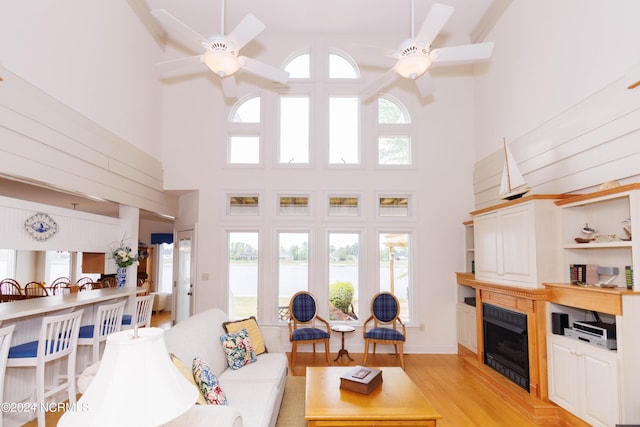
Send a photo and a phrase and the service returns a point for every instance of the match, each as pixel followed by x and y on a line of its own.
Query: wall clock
pixel 41 226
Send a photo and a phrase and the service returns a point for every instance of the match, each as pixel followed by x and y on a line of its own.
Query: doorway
pixel 184 253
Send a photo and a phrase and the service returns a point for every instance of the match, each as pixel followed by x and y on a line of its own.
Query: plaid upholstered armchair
pixel 302 318
pixel 385 309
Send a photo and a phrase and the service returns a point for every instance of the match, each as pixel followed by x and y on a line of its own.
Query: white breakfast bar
pixel 27 315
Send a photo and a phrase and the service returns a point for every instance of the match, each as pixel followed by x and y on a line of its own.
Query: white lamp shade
pixel 413 66
pixel 220 62
pixel 136 385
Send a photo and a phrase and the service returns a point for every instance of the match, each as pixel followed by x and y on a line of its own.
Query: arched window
pixel 243 146
pixel 299 67
pixel 340 67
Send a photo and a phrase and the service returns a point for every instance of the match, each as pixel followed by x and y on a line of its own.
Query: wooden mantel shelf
pixel 536 294
pixel 604 300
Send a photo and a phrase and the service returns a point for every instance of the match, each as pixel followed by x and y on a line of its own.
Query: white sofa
pixel 254 392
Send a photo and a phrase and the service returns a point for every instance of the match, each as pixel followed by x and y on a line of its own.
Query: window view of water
pixel 244 275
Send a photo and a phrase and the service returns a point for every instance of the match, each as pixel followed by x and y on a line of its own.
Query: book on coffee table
pixel 361 379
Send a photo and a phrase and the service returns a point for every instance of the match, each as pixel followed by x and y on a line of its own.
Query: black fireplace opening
pixel 506 344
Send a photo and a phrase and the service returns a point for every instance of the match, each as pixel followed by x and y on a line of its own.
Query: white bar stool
pixel 58 338
pixel 108 320
pixel 5 342
pixel 142 318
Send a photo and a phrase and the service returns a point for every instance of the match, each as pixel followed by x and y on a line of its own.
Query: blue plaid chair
pixel 303 313
pixel 385 309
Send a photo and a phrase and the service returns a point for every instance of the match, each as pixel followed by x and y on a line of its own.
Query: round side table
pixel 342 329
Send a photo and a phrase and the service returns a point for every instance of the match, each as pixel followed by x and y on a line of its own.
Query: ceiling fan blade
pixel 464 53
pixel 263 70
pixel 438 15
pixel 193 62
pixel 378 84
pixel 229 88
pixel 245 31
pixel 425 85
pixel 177 29
pixel 382 51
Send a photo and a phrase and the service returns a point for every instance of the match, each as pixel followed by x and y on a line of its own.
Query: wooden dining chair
pixel 10 290
pixel 146 287
pixel 385 315
pixel 83 281
pixel 303 311
pixel 35 290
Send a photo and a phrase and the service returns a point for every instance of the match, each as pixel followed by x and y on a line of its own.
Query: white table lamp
pixel 136 385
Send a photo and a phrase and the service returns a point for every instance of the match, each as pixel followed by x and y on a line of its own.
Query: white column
pixel 129 223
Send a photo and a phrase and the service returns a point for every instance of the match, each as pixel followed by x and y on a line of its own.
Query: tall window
pixel 57 264
pixel 394 144
pixel 294 129
pixel 243 274
pixel 344 273
pixel 7 263
pixel 164 281
pixel 293 268
pixel 343 130
pixel 395 251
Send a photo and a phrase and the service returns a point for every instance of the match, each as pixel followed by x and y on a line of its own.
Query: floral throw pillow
pixel 239 349
pixel 208 383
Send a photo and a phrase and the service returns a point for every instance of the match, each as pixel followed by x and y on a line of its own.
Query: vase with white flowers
pixel 124 256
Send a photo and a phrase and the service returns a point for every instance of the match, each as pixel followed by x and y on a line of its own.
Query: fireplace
pixel 506 343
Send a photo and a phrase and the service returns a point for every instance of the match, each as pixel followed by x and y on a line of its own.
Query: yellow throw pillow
pixel 188 374
pixel 251 325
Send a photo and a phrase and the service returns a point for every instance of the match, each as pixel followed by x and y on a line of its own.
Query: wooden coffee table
pixel 397 402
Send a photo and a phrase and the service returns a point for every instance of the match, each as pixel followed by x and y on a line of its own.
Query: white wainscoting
pixel 78 231
pixel 595 141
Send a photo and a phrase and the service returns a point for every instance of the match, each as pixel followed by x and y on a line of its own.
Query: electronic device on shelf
pixel 597 333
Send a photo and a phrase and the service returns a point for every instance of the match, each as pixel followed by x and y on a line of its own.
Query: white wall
pixel 548 56
pixel 92 55
pixel 555 88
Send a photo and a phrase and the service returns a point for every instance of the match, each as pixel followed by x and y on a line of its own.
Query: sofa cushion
pixel 251 325
pixel 256 401
pixel 208 383
pixel 270 367
pixel 188 374
pixel 238 348
pixel 196 336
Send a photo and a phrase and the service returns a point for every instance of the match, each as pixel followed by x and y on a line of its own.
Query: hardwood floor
pixel 455 390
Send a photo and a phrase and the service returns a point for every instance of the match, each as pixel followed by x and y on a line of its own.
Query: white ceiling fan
pixel 220 51
pixel 414 56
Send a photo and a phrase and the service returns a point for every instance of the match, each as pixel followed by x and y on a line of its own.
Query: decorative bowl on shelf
pixel 581 240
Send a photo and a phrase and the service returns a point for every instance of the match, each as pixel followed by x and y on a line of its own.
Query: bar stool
pixel 144 304
pixel 5 342
pixel 58 338
pixel 107 321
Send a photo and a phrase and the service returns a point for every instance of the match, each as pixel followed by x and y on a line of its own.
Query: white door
pixel 183 275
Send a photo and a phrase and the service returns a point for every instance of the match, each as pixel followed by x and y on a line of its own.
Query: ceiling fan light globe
pixel 413 66
pixel 222 63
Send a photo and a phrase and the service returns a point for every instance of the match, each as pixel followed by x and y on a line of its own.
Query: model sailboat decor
pixel 512 185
